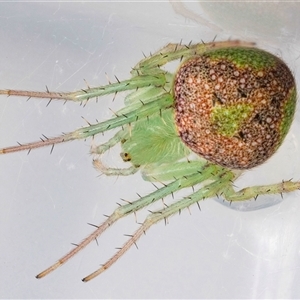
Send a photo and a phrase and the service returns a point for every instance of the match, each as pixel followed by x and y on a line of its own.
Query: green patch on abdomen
pixel 228 120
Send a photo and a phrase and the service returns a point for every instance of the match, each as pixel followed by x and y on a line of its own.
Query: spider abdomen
pixel 234 106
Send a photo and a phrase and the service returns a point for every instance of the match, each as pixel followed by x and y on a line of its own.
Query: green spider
pixel 226 109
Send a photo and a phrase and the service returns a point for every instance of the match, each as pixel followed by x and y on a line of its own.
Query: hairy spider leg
pixel 204 172
pixel 154 107
pixel 221 177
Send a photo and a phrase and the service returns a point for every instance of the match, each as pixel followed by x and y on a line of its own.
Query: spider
pixel 226 109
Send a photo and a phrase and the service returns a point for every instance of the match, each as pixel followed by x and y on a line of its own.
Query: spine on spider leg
pixel 86 94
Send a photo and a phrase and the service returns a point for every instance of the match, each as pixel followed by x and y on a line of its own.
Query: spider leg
pixel 252 192
pixel 117 138
pixel 99 150
pixel 223 177
pixel 89 93
pixel 124 210
pixel 163 173
pixel 144 111
pixel 99 165
pixel 173 52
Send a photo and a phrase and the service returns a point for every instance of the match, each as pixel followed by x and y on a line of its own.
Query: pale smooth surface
pixel 46 200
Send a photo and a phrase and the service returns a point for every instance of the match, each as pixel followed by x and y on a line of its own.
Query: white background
pixel 46 200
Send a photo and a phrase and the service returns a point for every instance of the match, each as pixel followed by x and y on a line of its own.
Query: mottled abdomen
pixel 234 106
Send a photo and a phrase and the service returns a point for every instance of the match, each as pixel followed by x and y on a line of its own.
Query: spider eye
pixel 234 106
pixel 125 156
